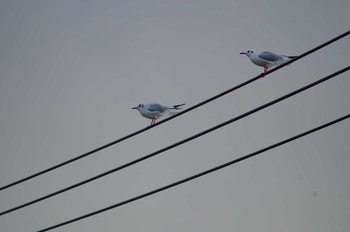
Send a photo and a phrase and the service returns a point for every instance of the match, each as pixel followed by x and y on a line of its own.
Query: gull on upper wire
pixel 266 59
pixel 154 111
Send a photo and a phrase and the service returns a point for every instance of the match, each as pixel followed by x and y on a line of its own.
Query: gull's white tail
pixel 173 110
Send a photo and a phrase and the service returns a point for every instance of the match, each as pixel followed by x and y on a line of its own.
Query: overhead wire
pixel 273 102
pixel 172 117
pixel 182 181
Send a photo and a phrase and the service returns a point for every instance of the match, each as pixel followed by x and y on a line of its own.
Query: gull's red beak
pixel 242 53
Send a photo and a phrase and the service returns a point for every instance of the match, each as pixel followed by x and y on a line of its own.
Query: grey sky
pixel 70 71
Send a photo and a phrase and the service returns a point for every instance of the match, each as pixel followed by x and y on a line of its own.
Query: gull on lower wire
pixel 266 59
pixel 154 110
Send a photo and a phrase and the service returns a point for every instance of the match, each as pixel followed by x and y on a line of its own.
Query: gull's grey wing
pixel 157 107
pixel 269 56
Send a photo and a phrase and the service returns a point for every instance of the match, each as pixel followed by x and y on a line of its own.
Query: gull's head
pixel 247 53
pixel 140 106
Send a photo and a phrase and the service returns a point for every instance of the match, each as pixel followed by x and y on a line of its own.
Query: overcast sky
pixel 70 72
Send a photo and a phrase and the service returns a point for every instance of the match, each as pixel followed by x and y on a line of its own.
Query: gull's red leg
pixel 265 70
pixel 153 121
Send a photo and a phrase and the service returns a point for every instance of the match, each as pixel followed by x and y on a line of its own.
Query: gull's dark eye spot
pixel 140 106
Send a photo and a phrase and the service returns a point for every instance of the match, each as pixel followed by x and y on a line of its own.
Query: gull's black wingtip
pixel 178 106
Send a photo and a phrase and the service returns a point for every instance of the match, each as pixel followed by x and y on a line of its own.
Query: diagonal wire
pixel 199 174
pixel 180 142
pixel 172 117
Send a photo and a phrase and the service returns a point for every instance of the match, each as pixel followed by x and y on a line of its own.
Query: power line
pixel 199 174
pixel 178 114
pixel 172 117
pixel 180 142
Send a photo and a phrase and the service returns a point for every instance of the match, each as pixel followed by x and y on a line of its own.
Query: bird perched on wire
pixel 154 110
pixel 266 59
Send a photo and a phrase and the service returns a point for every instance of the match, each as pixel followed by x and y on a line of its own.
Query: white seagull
pixel 266 59
pixel 154 110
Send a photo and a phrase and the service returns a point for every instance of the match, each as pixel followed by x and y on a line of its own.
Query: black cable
pixel 199 174
pixel 174 116
pixel 179 142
